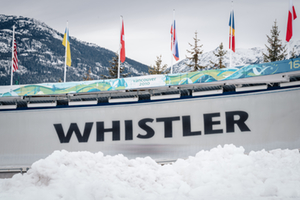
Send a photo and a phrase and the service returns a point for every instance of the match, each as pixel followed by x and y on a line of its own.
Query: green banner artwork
pixel 151 81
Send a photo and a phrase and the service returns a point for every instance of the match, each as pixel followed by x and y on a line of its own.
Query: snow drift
pixel 221 173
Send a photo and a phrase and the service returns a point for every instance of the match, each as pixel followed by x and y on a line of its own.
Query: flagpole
pixel 230 59
pixel 230 45
pixel 231 35
pixel 12 56
pixel 288 43
pixel 120 46
pixel 172 40
pixel 288 50
pixel 66 49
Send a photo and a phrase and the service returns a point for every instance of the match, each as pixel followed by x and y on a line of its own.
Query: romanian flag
pixel 291 17
pixel 231 32
pixel 66 43
pixel 174 42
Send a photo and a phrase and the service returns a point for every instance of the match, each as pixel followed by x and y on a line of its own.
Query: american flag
pixel 15 57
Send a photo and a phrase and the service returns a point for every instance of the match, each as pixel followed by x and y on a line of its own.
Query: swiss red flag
pixel 291 17
pixel 122 42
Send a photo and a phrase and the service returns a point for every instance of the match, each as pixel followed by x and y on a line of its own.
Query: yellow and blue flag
pixel 66 43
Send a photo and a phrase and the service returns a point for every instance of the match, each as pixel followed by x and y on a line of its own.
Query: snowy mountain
pixel 41 54
pixel 239 58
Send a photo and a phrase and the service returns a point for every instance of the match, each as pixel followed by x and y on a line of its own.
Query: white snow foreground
pixel 221 173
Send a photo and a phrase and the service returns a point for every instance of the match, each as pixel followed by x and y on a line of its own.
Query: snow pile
pixel 221 173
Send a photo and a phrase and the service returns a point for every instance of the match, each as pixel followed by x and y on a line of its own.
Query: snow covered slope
pixel 240 57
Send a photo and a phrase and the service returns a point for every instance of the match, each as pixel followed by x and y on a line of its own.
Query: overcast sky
pixel 147 23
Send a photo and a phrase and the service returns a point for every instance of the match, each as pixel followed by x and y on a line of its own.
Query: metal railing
pixel 13 171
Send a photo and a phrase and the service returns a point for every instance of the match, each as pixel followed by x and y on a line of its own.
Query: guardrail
pixel 9 172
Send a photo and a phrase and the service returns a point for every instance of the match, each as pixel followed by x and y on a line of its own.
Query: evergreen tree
pixel 293 54
pixel 276 51
pixel 113 70
pixel 17 82
pixel 87 76
pixel 195 53
pixel 158 68
pixel 220 55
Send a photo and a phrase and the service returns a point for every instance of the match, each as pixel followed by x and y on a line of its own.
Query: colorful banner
pixel 152 80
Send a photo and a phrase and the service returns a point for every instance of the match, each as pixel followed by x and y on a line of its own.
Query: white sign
pixel 160 129
pixel 146 81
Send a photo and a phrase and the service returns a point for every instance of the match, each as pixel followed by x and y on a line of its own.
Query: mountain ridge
pixel 41 54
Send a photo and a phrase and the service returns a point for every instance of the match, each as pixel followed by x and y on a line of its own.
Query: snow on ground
pixel 225 173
